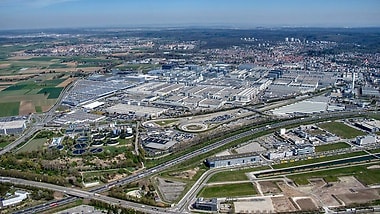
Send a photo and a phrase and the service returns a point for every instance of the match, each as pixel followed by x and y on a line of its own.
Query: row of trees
pixel 113 209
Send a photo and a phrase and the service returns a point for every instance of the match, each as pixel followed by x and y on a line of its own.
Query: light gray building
pixel 304 149
pixel 365 140
pixel 233 160
pixel 206 204
pixel 12 127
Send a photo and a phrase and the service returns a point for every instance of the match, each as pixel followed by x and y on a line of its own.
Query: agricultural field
pixel 30 84
pixel 29 97
pixel 228 190
pixel 333 146
pixel 340 129
pixel 19 64
pixel 9 109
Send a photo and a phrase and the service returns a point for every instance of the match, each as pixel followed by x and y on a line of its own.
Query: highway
pixel 150 209
pixel 77 193
pixel 39 125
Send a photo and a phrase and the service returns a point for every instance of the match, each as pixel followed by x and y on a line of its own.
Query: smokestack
pixel 353 83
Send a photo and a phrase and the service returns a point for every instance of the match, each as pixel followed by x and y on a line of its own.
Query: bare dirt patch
pixel 188 174
pixel 5 65
pixel 26 107
pixel 306 204
pixel 374 167
pixel 19 57
pixel 66 82
pixel 16 77
pixel 8 83
pixel 70 64
pixel 90 69
pixel 338 193
pixel 318 182
pixel 58 195
pixel 283 204
pixel 46 108
pixel 289 190
pixel 359 196
pixel 269 187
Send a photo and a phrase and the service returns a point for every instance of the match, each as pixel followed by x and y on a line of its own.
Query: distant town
pixel 190 120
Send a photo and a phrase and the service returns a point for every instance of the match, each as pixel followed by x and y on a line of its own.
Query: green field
pixel 33 145
pixel 333 146
pixel 42 59
pixel 317 160
pixel 53 92
pixel 52 83
pixel 341 130
pixel 228 190
pixel 364 175
pixel 9 109
pixel 38 109
pixel 375 150
pixel 4 144
pixel 42 94
pixel 235 175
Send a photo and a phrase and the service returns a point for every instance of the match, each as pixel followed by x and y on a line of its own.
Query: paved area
pixel 257 205
pixel 170 190
pixel 251 147
pixel 82 209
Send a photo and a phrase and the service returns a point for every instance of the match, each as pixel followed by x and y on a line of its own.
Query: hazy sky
pixel 24 14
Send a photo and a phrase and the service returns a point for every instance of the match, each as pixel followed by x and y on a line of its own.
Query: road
pixel 81 194
pixel 39 125
pixel 190 196
pixel 199 152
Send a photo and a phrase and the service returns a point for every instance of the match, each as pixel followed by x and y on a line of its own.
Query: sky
pixel 40 14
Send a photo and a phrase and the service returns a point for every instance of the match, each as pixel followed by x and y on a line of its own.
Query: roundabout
pixel 194 127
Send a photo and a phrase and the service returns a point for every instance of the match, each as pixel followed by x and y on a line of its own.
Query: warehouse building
pixel 233 160
pixel 207 205
pixel 365 140
pixel 304 149
pixel 12 127
pixel 18 197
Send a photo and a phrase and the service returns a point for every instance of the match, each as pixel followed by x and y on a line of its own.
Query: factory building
pixel 275 74
pixel 305 149
pixel 365 140
pixel 12 127
pixel 18 197
pixel 371 126
pixel 279 154
pixel 207 205
pixel 233 160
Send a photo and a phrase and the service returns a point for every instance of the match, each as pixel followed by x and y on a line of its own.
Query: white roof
pixel 93 105
pixel 12 124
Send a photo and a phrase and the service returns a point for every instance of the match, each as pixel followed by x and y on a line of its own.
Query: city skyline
pixel 35 14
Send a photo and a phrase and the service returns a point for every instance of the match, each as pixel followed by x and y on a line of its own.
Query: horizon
pixel 187 27
pixel 246 14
